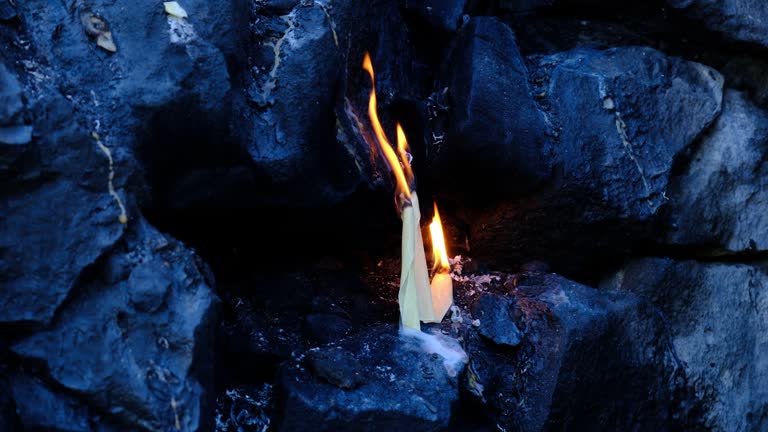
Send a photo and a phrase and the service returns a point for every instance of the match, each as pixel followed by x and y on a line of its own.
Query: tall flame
pixel 400 167
pixel 439 251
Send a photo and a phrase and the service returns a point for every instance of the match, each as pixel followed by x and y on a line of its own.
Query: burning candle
pixel 442 285
pixel 416 296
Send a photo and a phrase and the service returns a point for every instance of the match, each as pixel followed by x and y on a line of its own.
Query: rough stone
pixel 402 387
pixel 498 323
pixel 721 198
pixel 718 317
pixel 623 116
pixel 10 95
pixel 324 328
pixel 740 20
pixel 336 366
pixel 133 361
pixel 440 14
pixel 588 359
pixel 495 133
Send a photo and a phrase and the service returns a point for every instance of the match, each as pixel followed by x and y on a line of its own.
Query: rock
pixel 244 408
pixel 7 10
pixel 133 361
pixel 740 20
pixel 401 387
pixel 304 84
pixel 10 94
pixel 718 316
pixel 336 366
pixel 623 116
pixel 524 5
pixel 58 219
pixel 9 419
pixel 746 74
pixel 615 111
pixel 498 323
pixel 324 328
pixel 720 199
pixel 550 380
pixel 15 135
pixel 442 15
pixel 493 127
pixel 40 408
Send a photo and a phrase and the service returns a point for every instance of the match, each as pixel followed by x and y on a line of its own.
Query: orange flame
pixel 400 167
pixel 439 252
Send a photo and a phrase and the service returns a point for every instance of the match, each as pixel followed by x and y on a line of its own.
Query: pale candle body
pixel 442 293
pixel 415 296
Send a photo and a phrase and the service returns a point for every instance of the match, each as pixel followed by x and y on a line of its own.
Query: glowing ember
pixel 400 168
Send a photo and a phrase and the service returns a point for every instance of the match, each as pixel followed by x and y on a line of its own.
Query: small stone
pixel 337 366
pixel 16 135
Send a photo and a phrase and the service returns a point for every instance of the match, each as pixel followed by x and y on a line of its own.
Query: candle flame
pixel 401 168
pixel 439 252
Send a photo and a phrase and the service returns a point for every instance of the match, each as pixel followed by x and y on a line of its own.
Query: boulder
pixel 494 132
pixel 720 199
pixel 622 117
pixel 56 219
pixel 586 360
pixel 717 314
pixel 133 338
pixel 381 382
pixel 442 15
pixel 739 20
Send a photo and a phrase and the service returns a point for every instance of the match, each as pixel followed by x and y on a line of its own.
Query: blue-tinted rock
pixel 740 20
pixel 720 199
pixel 133 361
pixel 495 133
pixel 397 386
pixel 444 15
pixel 717 314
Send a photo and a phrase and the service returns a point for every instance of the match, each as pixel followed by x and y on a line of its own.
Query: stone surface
pixel 587 360
pixel 497 319
pixel 494 133
pixel 129 334
pixel 718 317
pixel 721 198
pixel 440 14
pixel 622 117
pixel 740 20
pixel 402 387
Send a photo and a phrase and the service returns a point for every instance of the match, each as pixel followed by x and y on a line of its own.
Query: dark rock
pixel 720 200
pixel 747 75
pixel 15 135
pixel 336 366
pixel 552 379
pixel 40 408
pixel 440 14
pixel 325 328
pixel 304 84
pixel 623 116
pixel 718 317
pixel 244 409
pixel 524 5
pixel 495 133
pixel 134 361
pixel 9 419
pixel 740 20
pixel 497 322
pixel 401 387
pixel 10 94
pixel 52 229
pixel 7 10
